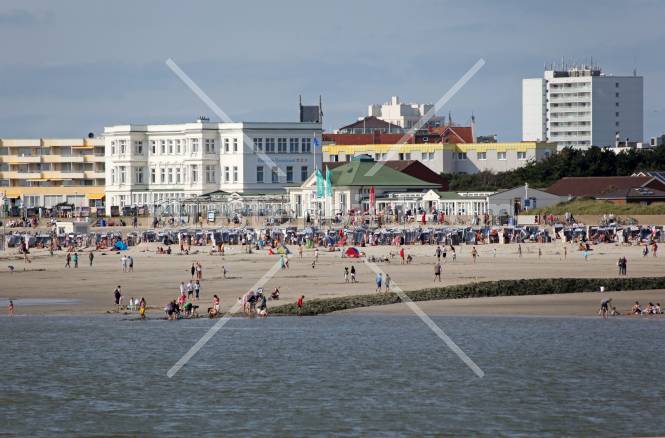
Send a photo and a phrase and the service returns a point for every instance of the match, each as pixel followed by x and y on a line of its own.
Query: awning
pixel 95 196
pixel 12 196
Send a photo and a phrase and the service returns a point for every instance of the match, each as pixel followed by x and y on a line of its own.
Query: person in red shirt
pixel 401 254
pixel 299 304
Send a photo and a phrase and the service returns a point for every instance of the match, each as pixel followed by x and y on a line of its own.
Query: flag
pixel 315 142
pixel 329 191
pixel 319 184
pixel 372 198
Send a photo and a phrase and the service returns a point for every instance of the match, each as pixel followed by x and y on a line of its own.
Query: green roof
pixel 355 173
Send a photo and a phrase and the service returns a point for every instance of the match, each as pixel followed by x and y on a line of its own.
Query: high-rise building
pixel 46 172
pixel 580 107
pixel 149 165
pixel 405 115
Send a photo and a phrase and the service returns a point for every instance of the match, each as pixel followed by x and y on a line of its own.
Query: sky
pixel 73 67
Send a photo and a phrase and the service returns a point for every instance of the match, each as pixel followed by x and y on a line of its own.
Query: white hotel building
pixel 581 107
pixel 148 165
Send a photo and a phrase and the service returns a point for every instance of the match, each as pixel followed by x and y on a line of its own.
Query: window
pixel 170 174
pixel 258 144
pixel 153 147
pixel 226 174
pixel 210 174
pixel 210 146
pixel 547 154
pixel 616 85
pixel 431 155
pixel 303 173
pixel 423 156
pixel 235 145
pixel 281 145
pixel 113 175
pixel 162 175
pixel 259 174
pixel 616 95
pixel 616 104
pixel 306 145
pixel 501 155
pixel 289 174
pixel 270 145
pixel 521 155
pixel 170 146
pixel 226 145
pixel 617 114
pixel 177 175
pixel 153 175
pixel 177 146
pixel 275 176
pixel 162 146
pixel 461 155
pixel 195 145
pixel 138 175
pixel 195 173
pixel 138 147
pixel 235 174
pixel 293 145
pixel 616 123
pixel 481 155
pixel 122 146
pixel 123 176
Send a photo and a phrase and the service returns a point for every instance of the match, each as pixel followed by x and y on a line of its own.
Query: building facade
pixel 46 172
pixel 448 158
pixel 581 107
pixel 150 165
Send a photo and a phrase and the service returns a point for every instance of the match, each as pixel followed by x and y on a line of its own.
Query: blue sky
pixel 72 67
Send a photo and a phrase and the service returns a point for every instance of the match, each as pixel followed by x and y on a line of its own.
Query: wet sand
pixel 157 277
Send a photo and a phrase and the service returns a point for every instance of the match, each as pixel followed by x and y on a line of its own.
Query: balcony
pixel 62 159
pixel 92 174
pixel 21 159
pixel 20 175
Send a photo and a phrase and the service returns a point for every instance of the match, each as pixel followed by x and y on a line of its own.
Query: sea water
pixel 345 375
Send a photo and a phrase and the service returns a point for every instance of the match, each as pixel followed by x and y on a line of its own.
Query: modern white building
pixel 405 115
pixel 581 107
pixel 149 165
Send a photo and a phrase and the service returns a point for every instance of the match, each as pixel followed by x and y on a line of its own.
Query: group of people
pixel 623 265
pixel 650 309
pixel 133 305
pixel 127 263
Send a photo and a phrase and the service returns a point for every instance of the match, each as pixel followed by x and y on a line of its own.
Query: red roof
pixel 374 138
pixel 454 134
pixel 593 186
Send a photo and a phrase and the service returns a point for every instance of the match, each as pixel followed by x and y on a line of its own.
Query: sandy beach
pixel 157 277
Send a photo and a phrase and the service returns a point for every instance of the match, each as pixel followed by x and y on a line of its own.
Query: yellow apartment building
pixel 44 172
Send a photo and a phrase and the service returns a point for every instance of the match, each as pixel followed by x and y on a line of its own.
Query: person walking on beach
pixel 654 249
pixel 452 249
pixel 197 289
pixel 565 252
pixel 437 272
pixel 353 274
pixel 300 250
pixel 91 257
pixel 316 254
pixel 199 271
pixel 299 303
pixel 117 295
pixel 75 259
pixel 540 253
pixel 142 306
pixel 224 271
pixel 10 308
pixel 190 289
pixel 474 254
pixel 401 256
pixel 519 250
pixel 130 261
pixel 437 253
pixel 193 270
pixel 346 274
pixel 388 279
pixel 68 260
pixel 379 280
